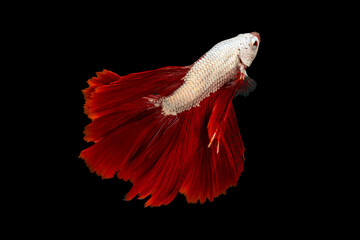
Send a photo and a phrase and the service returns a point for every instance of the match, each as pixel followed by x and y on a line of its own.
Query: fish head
pixel 248 46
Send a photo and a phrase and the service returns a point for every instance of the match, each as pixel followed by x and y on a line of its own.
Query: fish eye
pixel 254 43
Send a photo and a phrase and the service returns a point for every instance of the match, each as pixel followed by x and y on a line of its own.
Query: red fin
pixel 161 155
pixel 245 86
pixel 109 90
pixel 179 160
pixel 219 113
pixel 213 170
pixel 120 113
pixel 101 79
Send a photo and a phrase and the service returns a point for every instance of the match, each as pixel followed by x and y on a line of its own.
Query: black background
pixel 127 39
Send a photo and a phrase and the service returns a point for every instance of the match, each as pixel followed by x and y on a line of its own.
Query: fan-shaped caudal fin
pixel 161 154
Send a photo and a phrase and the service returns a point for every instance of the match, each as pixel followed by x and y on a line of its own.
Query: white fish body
pixel 217 67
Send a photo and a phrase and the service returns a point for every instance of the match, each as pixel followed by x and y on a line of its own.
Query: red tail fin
pixel 120 114
pixel 161 155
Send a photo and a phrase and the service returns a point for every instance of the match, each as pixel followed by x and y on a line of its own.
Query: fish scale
pixel 216 68
pixel 198 153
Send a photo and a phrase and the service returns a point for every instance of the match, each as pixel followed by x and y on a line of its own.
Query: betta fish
pixel 172 130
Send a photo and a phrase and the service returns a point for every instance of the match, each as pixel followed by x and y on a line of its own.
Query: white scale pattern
pixel 216 68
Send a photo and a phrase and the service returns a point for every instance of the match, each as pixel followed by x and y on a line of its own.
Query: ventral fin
pixel 247 85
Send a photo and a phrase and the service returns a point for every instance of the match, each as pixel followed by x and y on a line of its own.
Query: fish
pixel 172 130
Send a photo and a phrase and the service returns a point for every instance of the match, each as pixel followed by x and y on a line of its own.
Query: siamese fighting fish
pixel 172 130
